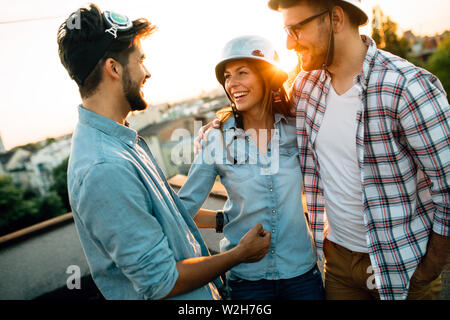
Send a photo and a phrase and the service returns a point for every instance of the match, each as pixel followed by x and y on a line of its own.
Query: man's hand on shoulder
pixel 203 134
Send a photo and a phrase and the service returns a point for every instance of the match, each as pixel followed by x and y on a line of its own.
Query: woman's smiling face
pixel 243 85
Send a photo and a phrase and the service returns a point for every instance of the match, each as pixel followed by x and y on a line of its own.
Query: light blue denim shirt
pixel 132 225
pixel 262 189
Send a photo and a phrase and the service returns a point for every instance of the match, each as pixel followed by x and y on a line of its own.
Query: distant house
pixel 171 140
pixel 42 162
pixel 423 47
pixel 158 136
pixel 14 164
pixel 30 166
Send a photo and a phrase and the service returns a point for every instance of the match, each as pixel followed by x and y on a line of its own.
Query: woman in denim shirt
pixel 255 154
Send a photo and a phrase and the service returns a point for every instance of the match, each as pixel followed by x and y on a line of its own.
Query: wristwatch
pixel 220 220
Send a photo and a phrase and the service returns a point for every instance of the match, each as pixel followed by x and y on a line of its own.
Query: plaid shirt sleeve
pixel 308 87
pixel 424 118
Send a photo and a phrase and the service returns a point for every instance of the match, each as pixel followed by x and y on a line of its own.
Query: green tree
pixel 59 186
pixel 439 64
pixel 21 208
pixel 387 39
pixel 15 211
pixel 50 206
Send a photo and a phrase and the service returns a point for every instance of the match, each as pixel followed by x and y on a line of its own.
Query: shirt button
pixel 273 251
pixel 273 230
pixel 274 211
pixel 271 190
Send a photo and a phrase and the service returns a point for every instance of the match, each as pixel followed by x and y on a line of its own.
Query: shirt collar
pixel 369 61
pixel 279 117
pixel 231 122
pixel 108 126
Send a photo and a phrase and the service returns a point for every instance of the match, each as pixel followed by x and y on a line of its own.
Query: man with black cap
pixel 139 241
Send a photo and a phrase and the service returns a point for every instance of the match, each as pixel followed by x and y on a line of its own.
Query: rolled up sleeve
pixel 116 210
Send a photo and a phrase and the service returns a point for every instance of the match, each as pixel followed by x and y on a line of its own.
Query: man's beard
pixel 317 59
pixel 132 92
pixel 318 53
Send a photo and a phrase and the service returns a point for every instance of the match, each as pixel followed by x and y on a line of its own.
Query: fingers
pixel 197 145
pixel 216 123
pixel 203 136
pixel 255 244
pixel 258 228
pixel 261 254
pixel 198 140
pixel 261 231
pixel 266 234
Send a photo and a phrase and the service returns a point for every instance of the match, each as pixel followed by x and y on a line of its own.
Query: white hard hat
pixel 357 5
pixel 249 47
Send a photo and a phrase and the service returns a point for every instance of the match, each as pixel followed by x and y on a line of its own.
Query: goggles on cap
pixel 86 57
pixel 116 22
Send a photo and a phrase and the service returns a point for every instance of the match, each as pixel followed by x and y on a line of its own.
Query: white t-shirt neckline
pixel 339 170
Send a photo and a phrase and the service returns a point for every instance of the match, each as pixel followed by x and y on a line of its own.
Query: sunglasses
pixel 293 29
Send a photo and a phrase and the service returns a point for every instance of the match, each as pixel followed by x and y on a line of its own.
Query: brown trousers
pixel 349 276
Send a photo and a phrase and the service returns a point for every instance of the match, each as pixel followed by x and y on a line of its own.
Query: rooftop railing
pixel 39 262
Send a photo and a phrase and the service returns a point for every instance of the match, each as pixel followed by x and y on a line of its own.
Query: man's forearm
pixel 196 272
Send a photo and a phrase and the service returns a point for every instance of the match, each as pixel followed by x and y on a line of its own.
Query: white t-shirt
pixel 339 171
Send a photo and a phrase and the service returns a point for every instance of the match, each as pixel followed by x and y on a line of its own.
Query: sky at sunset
pixel 38 100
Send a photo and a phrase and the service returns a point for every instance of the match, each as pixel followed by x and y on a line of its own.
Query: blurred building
pixel 2 147
pixel 13 163
pixel 30 166
pixel 423 47
pixel 171 139
pixel 42 162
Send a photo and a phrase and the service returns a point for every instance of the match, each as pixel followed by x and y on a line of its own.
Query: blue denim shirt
pixel 132 225
pixel 262 189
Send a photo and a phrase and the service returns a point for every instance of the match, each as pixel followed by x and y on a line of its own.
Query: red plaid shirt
pixel 402 144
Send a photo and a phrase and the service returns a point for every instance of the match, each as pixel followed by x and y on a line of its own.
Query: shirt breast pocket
pixel 289 158
pixel 237 173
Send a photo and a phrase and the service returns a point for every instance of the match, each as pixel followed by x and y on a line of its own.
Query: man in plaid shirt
pixel 373 136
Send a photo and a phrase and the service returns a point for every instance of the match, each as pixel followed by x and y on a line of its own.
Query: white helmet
pixel 249 47
pixel 357 5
